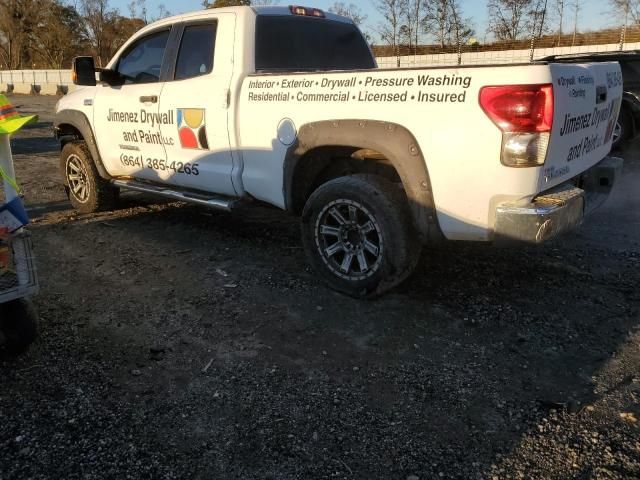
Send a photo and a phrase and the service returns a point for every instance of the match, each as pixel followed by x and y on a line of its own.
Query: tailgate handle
pixel 601 94
pixel 149 99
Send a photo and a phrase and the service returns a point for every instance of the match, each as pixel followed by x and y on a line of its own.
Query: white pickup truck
pixel 286 105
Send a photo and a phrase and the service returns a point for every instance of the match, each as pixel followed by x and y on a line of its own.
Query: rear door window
pixel 196 53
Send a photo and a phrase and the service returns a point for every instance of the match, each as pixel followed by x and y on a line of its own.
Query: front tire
pixel 87 191
pixel 358 234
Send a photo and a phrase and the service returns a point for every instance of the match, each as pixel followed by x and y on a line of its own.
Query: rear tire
pixel 88 192
pixel 18 324
pixel 358 235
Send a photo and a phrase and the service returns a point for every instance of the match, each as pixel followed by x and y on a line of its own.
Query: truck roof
pixel 240 11
pixel 282 10
pixel 594 56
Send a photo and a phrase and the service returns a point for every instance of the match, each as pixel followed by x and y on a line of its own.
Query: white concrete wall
pixel 47 81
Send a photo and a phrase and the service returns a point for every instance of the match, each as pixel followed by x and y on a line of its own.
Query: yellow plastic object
pixel 10 120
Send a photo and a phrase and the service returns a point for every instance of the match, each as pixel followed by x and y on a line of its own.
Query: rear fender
pixel 393 141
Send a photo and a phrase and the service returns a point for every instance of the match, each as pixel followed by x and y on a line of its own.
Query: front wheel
pixel 88 192
pixel 357 233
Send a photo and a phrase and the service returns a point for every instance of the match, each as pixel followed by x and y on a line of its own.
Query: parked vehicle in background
pixel 285 105
pixel 628 124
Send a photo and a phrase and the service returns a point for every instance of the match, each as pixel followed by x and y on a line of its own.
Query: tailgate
pixel 587 100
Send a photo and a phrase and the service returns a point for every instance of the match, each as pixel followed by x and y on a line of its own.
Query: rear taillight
pixel 524 114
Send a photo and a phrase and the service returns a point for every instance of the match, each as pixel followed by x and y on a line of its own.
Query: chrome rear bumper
pixel 559 211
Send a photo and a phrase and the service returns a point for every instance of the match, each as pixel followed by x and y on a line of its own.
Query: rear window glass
pixel 301 44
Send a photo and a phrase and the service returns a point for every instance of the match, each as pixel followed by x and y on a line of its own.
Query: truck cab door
pixel 126 116
pixel 197 94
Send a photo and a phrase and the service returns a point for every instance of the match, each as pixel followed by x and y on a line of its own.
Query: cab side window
pixel 142 61
pixel 197 48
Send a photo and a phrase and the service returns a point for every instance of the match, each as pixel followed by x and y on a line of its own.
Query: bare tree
pixel 353 12
pixel 162 11
pixel 138 9
pixel 444 20
pixel 97 15
pixel 537 18
pixel 392 13
pixel 438 20
pixel 417 7
pixel 626 9
pixel 411 20
pixel 350 11
pixel 508 19
pixel 460 27
pixel 559 8
pixel 576 11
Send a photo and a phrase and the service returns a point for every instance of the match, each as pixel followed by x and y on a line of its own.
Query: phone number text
pixel 160 165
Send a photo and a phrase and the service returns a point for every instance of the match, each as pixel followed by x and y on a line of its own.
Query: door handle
pixel 149 99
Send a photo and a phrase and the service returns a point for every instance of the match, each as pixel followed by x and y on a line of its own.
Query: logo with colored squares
pixel 192 128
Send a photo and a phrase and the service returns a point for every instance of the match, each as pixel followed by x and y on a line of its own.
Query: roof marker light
pixel 306 12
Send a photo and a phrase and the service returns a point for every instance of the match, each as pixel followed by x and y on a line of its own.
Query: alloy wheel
pixel 349 240
pixel 77 178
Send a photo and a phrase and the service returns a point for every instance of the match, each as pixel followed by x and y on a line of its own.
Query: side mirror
pixel 84 71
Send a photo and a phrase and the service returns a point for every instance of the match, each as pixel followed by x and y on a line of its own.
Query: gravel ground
pixel 177 342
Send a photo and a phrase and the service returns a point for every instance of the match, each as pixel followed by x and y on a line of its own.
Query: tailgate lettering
pixel 576 123
pixel 614 79
pixel 587 145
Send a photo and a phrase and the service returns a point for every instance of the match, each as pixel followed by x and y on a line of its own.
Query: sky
pixel 593 13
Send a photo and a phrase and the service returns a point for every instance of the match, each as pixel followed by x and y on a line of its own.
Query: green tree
pixel 19 19
pixel 107 29
pixel 60 36
pixel 97 16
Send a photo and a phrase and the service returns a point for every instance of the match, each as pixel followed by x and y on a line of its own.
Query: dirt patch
pixel 178 342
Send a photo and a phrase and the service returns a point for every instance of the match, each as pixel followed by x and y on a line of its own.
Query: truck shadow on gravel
pixel 34 145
